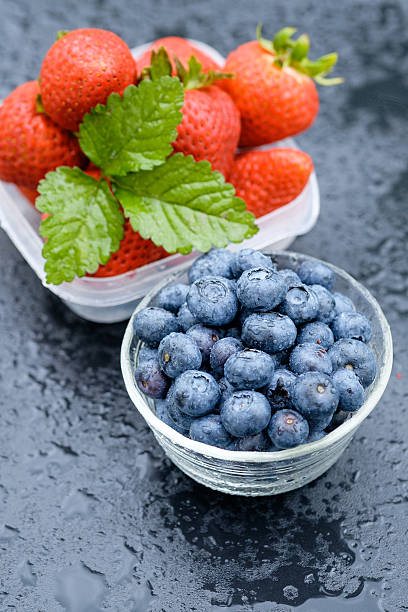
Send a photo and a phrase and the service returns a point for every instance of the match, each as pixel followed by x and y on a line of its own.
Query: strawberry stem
pixel 191 78
pixel 294 53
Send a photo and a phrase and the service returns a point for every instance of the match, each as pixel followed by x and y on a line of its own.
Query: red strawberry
pixel 273 86
pixel 80 70
pixel 30 143
pixel 134 252
pixel 210 128
pixel 211 123
pixel 180 47
pixel 267 180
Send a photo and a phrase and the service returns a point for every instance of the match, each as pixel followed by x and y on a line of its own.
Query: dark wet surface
pixel 92 515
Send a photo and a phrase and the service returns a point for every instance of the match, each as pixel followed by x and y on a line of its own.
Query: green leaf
pixel 134 132
pixel 183 205
pixel 85 227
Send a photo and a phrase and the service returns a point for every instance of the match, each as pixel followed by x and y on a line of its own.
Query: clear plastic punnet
pixel 108 300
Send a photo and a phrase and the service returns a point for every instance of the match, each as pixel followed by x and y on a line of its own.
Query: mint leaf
pixel 134 132
pixel 183 205
pixel 85 227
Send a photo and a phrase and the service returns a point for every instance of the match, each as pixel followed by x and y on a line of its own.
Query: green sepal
pixel 191 78
pixel 39 105
pixel 160 65
pixel 61 34
pixel 293 53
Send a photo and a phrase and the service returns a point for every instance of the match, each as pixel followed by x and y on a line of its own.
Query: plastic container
pixel 265 473
pixel 108 300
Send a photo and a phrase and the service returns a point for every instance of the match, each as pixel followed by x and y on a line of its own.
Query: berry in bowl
pixel 254 370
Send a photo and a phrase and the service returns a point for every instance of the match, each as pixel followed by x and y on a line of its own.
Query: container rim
pixel 373 396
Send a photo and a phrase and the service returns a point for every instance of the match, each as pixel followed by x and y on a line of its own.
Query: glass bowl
pixel 264 473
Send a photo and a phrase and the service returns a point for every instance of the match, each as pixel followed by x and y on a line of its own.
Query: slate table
pixel 92 515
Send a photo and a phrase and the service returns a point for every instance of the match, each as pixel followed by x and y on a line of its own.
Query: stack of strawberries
pixel 264 93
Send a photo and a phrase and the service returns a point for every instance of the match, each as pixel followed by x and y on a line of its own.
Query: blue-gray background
pixel 92 516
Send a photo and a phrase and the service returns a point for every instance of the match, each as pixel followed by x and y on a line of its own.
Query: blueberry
pixel 350 389
pixel 245 413
pixel 290 276
pixel 152 324
pixel 249 369
pixel 217 262
pixel 316 398
pixel 195 393
pixel 180 419
pixel 270 331
pixel 279 389
pixel 288 428
pixel 185 318
pixel 146 354
pixel 316 273
pixel 356 356
pixel 301 304
pixel 326 304
pixel 151 380
pixel 310 358
pixel 249 258
pixel 221 351
pixel 261 289
pixel 162 412
pixel 212 301
pixel 205 338
pixel 226 389
pixel 342 304
pixel 210 430
pixel 178 353
pixel 316 333
pixel 352 325
pixel 316 435
pixel 259 442
pixel 171 298
pixel 339 417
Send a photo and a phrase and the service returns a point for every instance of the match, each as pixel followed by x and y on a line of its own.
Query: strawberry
pixel 31 144
pixel 80 70
pixel 267 180
pixel 180 47
pixel 134 252
pixel 273 86
pixel 211 123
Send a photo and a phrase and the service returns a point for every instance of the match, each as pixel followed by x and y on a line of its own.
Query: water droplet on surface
pixel 27 575
pixel 78 589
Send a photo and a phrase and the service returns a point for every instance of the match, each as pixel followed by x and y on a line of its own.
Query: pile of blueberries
pixel 250 358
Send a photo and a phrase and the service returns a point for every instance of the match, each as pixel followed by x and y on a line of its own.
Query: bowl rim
pixel 375 391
